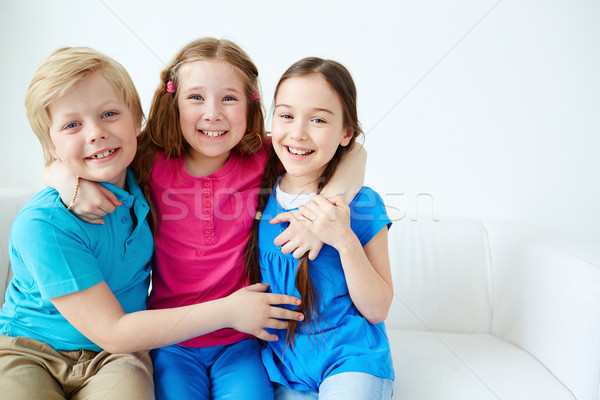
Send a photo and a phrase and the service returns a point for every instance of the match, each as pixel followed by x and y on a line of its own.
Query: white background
pixel 476 108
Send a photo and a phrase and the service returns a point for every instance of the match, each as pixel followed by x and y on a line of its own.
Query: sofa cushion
pixel 445 366
pixel 440 271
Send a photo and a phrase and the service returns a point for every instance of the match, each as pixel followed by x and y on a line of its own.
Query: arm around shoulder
pixel 349 176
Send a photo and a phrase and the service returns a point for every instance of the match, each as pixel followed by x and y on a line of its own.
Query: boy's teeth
pixel 213 133
pixel 299 152
pixel 105 154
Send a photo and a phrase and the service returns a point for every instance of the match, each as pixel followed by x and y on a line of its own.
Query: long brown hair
pixel 341 82
pixel 163 131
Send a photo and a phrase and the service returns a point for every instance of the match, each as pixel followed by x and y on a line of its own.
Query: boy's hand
pixel 251 311
pixel 297 238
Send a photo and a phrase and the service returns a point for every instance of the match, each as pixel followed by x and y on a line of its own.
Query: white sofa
pixel 487 310
pixel 481 311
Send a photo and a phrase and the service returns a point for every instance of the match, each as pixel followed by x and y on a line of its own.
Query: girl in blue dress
pixel 341 349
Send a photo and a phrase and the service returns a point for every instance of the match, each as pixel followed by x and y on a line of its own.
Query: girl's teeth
pixel 299 152
pixel 105 154
pixel 213 133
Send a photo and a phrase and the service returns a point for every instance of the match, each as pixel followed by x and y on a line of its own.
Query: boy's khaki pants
pixel 31 370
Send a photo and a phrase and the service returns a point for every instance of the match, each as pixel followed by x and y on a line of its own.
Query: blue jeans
pixel 232 372
pixel 342 386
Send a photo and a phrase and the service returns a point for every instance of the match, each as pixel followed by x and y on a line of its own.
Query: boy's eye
pixel 72 125
pixel 318 120
pixel 109 114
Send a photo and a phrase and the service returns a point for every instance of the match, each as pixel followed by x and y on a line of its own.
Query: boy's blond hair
pixel 62 70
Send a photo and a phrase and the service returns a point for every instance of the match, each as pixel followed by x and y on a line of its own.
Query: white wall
pixel 492 108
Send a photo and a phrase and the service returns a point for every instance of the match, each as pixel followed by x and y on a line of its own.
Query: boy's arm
pixel 58 258
pixel 93 201
pixel 97 314
pixel 349 176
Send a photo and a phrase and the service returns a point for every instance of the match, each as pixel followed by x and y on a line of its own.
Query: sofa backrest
pixel 441 272
pixel 11 201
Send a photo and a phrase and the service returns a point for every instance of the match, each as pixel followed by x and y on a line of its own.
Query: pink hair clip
pixel 255 95
pixel 170 87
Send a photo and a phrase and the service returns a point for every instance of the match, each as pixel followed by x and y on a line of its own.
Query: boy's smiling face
pixel 93 132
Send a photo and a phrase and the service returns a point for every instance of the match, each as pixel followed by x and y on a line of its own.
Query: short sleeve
pixel 368 215
pixel 51 245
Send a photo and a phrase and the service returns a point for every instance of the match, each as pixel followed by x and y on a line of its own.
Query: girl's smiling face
pixel 212 110
pixel 308 126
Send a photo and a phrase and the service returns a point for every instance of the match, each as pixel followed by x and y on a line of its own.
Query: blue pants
pixel 231 372
pixel 342 386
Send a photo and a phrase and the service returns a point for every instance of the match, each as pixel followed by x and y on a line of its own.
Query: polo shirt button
pixel 207 224
pixel 129 242
pixel 124 220
pixel 206 184
pixel 207 194
pixel 207 204
pixel 208 214
pixel 208 231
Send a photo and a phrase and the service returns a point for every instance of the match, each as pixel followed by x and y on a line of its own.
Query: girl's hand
pixel 93 202
pixel 328 219
pixel 297 238
pixel 251 311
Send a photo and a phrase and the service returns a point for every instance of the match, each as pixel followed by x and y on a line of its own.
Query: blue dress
pixel 341 340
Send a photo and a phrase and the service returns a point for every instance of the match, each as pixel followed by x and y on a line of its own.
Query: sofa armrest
pixel 11 201
pixel 546 300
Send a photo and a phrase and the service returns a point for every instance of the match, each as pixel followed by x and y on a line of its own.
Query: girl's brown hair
pixel 163 130
pixel 341 82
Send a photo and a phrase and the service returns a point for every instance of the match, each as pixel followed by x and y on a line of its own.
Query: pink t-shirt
pixel 203 226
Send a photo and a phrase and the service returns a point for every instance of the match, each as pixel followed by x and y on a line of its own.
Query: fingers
pixel 320 200
pixel 308 211
pixel 282 239
pixel 96 221
pixel 299 252
pixel 336 201
pixel 257 287
pixel 282 217
pixel 296 248
pixel 293 217
pixel 111 197
pixel 267 337
pixel 315 250
pixel 274 298
pixel 284 314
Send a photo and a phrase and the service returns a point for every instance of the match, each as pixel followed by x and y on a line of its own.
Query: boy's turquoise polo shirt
pixel 53 253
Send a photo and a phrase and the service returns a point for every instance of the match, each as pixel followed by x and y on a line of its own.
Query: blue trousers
pixel 228 372
pixel 342 386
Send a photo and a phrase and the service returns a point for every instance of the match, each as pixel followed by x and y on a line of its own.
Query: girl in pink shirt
pixel 200 162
